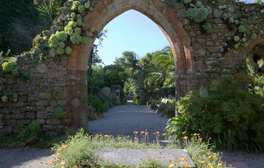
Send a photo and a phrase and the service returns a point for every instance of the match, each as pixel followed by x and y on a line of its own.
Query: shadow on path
pixel 125 119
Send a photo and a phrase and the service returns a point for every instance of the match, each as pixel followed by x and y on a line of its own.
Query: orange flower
pixel 182 163
pixel 183 158
pixel 184 137
pixel 62 163
pixel 194 134
pixel 157 132
pixel 135 132
pixel 40 162
pixel 52 155
pixel 142 132
pixel 184 132
pixel 164 134
pixel 187 166
pixel 146 133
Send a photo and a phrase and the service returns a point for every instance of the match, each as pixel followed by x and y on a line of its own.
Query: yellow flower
pixel 71 143
pixel 57 154
pixel 202 150
pixel 171 165
pixel 214 153
pixel 202 161
pixel 184 132
pixel 209 164
pixel 208 153
pixel 119 138
pixel 182 163
pixel 209 157
pixel 219 164
pixel 216 158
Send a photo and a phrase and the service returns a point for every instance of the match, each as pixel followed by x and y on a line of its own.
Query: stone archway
pixel 103 12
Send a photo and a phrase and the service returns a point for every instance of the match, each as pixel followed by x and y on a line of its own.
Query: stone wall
pixel 196 53
pixel 32 103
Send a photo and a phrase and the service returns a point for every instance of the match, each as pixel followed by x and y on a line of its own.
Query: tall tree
pixel 129 61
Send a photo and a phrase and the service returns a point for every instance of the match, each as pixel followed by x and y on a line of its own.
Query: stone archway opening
pixel 103 12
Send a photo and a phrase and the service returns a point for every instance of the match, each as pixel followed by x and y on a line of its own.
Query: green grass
pixel 78 150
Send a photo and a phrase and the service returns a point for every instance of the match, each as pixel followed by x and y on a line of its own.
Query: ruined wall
pixel 31 102
pixel 207 49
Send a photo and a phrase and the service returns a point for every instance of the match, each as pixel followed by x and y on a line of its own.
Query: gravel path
pixel 122 120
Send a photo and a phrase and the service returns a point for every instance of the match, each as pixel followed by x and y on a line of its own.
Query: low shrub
pixel 94 101
pixel 224 112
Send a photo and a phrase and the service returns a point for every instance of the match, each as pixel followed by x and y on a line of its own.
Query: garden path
pixel 126 119
pixel 120 120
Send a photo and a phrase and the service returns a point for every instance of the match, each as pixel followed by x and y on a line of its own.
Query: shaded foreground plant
pixel 78 150
pixel 225 111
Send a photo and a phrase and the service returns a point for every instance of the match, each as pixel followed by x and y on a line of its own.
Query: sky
pixel 132 31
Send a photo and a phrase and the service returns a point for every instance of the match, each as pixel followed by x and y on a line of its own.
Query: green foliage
pixel 96 102
pixel 241 29
pixel 251 65
pixel 51 90
pixel 15 97
pixel 254 35
pixel 207 27
pixel 8 66
pixel 62 36
pixel 87 5
pixel 4 98
pixel 60 51
pixel 187 1
pixel 68 50
pixel 18 26
pixel 53 40
pixel 52 52
pixel 198 12
pixel 25 132
pixel 75 38
pixel 225 111
pixel 59 112
pixel 15 72
pixel 236 38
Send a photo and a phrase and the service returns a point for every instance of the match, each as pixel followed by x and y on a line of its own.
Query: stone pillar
pixel 78 100
pixel 181 85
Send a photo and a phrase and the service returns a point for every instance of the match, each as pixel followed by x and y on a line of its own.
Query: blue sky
pixel 132 31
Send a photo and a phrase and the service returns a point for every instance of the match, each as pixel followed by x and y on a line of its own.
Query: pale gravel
pixel 119 120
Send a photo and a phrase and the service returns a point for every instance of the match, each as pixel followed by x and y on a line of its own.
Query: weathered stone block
pixel 18 104
pixel 27 121
pixel 43 103
pixel 42 114
pixel 17 116
pixel 6 129
pixel 60 95
pixel 40 121
pixel 50 109
pixel 43 95
pixel 29 108
pixel 48 127
pixel 53 103
pixel 16 111
pixel 4 110
pixel 19 87
pixel 62 102
pixel 53 121
pixel 30 115
pixel 66 121
pixel 22 98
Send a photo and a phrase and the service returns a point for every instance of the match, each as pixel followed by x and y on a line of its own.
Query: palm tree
pixel 50 9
